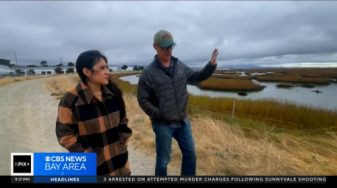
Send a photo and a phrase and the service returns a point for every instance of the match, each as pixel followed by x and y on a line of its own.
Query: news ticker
pixel 173 179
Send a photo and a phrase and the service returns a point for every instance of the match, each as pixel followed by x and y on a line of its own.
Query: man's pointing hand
pixel 214 56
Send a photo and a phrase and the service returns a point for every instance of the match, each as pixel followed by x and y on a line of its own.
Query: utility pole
pixel 16 61
pixel 60 59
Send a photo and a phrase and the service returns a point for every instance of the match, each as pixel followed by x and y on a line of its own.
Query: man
pixel 163 96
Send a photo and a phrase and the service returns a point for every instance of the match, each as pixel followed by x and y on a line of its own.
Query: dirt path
pixel 27 124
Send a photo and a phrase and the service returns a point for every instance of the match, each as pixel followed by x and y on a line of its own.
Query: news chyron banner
pixel 55 167
pixel 81 168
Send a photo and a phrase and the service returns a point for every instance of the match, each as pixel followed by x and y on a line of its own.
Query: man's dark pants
pixel 182 133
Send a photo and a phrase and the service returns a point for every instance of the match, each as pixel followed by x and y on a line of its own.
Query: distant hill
pixel 242 67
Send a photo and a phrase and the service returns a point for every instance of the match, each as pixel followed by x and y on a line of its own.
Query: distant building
pixel 115 68
pixel 243 73
pixel 49 70
pixel 40 70
pixel 129 69
pixel 4 70
pixel 257 74
pixel 261 74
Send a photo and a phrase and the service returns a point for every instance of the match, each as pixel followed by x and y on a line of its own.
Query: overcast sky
pixel 267 32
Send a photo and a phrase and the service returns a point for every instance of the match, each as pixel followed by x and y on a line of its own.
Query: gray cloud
pixel 245 32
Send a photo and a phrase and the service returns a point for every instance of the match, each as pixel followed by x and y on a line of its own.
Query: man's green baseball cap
pixel 163 39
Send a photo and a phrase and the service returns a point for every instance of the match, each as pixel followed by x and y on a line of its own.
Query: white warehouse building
pixel 40 70
pixel 50 70
pixel 4 70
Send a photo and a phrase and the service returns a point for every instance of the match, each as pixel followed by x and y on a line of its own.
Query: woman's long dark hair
pixel 87 60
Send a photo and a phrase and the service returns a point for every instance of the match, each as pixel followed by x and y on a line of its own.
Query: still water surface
pixel 326 99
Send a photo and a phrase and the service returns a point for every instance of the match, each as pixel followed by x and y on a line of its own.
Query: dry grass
pixel 293 79
pixel 125 86
pixel 58 87
pixel 295 75
pixel 309 72
pixel 232 76
pixel 219 71
pixel 219 84
pixel 223 149
pixel 8 80
pixel 305 72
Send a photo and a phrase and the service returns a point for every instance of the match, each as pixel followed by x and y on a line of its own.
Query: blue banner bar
pixel 65 179
pixel 65 164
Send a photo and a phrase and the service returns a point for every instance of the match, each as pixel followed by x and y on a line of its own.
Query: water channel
pixel 300 95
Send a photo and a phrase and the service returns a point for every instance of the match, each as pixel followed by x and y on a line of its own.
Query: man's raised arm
pixel 205 73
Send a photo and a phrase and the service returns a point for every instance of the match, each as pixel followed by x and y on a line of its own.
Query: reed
pixel 299 117
pixel 304 72
pixel 219 84
pixel 232 76
pixel 293 79
pixel 125 86
pixel 311 72
pixel 294 75
pixel 284 86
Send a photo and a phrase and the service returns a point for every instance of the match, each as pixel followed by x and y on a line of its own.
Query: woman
pixel 92 117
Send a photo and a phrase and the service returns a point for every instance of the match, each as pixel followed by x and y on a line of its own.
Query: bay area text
pixel 65 163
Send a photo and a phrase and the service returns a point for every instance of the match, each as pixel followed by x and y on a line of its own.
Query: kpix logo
pixel 47 158
pixel 22 164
